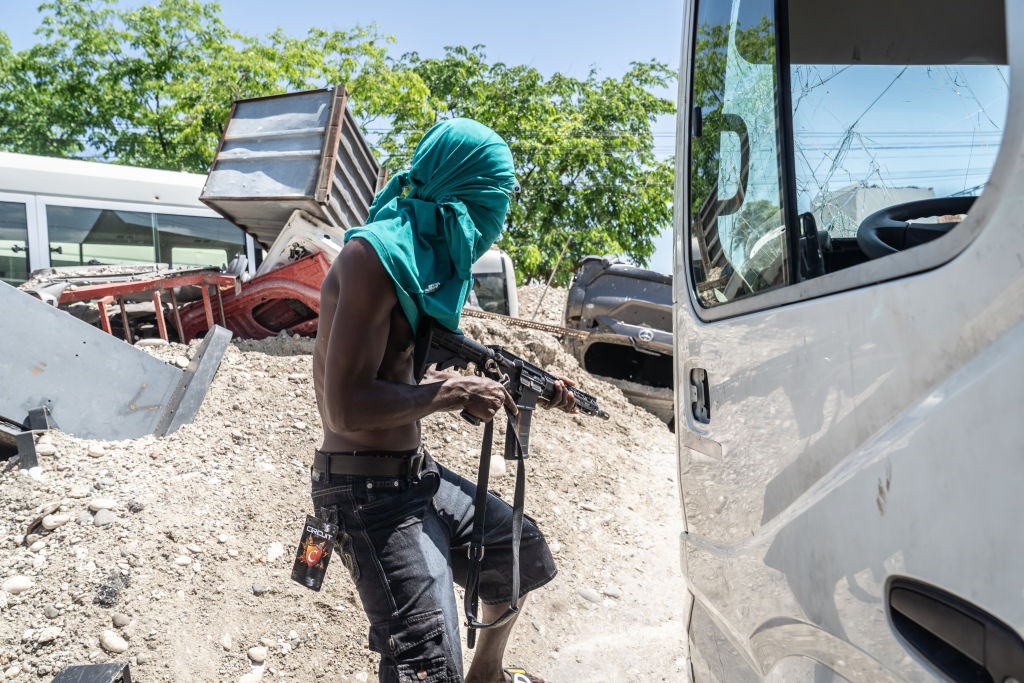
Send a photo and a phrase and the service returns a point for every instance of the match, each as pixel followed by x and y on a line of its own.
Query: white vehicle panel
pixel 855 436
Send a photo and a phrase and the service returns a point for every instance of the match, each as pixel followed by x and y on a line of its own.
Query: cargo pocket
pixel 414 650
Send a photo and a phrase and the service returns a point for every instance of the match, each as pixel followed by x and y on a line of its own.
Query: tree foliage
pixel 153 86
pixel 583 150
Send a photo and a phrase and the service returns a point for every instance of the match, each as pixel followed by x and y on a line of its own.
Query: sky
pixel 570 37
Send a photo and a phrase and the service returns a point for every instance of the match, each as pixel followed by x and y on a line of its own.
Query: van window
pixel 868 136
pixel 735 175
pixel 792 155
pixel 491 292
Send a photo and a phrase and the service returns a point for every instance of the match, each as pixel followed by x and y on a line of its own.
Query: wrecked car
pixel 627 312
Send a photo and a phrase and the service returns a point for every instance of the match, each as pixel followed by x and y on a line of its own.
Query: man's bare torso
pixel 396 366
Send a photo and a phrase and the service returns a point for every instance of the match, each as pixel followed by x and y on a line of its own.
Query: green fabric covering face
pixel 429 239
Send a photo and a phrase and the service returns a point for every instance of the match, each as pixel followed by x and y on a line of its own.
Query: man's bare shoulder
pixel 359 267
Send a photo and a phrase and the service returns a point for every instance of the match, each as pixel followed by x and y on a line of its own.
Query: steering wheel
pixel 887 231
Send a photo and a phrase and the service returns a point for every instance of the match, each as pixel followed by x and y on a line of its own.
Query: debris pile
pixel 175 553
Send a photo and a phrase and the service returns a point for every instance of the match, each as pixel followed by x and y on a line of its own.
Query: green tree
pixel 152 86
pixel 583 149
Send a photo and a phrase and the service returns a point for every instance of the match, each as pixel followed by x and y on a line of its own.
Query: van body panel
pixel 862 426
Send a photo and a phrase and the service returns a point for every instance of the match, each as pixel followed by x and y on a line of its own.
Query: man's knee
pixel 418 648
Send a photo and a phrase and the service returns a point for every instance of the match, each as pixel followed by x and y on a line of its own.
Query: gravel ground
pixel 174 553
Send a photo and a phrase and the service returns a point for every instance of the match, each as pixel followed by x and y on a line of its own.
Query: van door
pixel 846 418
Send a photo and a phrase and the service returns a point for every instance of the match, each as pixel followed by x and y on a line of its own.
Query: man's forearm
pixel 385 404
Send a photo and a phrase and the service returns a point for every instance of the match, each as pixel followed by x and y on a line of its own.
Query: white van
pixel 494 284
pixel 849 339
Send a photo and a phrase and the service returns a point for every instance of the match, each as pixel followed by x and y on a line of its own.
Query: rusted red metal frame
pixel 107 293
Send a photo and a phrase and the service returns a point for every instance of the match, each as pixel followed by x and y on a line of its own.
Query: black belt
pixel 406 464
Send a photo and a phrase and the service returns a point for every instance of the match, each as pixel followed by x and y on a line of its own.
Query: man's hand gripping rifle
pixel 527 384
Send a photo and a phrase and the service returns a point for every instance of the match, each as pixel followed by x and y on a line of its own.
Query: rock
pixel 85 518
pixel 121 620
pixel 362 677
pixel 252 677
pixel 51 522
pixel 112 642
pixel 151 342
pixel 37 546
pixel 97 504
pixel 268 642
pixel 257 654
pixel 96 450
pixel 300 425
pixel 275 551
pixel 498 467
pixel 78 491
pixel 181 361
pixel 293 635
pixel 182 560
pixel 48 634
pixel 104 518
pixel 51 612
pixel 46 449
pixel 17 584
pixel 258 589
pixel 12 672
pixel 36 473
pixel 194 548
pixel 226 643
pixel 135 506
pixel 141 658
pixel 589 594
pixel 612 591
pixel 109 592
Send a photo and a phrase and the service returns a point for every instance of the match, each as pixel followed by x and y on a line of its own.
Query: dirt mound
pixel 551 302
pixel 175 553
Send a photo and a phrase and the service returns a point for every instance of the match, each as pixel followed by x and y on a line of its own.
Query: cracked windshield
pixel 865 137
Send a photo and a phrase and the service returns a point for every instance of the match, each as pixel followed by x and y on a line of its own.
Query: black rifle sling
pixel 514 449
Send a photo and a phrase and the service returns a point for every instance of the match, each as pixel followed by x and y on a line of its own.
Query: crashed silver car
pixel 628 313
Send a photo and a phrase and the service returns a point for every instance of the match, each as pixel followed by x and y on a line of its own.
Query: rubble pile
pixel 175 553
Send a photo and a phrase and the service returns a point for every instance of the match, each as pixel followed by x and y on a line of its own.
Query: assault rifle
pixel 526 382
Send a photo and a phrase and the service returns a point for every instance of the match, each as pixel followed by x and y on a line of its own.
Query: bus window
pixel 197 241
pixel 13 243
pixel 80 236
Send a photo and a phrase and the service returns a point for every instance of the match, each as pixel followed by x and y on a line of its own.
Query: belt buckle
pixel 415 465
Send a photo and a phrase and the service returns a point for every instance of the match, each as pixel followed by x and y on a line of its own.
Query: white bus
pixel 63 212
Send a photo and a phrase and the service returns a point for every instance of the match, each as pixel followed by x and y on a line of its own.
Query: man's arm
pixel 355 398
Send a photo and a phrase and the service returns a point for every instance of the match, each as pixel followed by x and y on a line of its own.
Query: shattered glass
pixel 871 136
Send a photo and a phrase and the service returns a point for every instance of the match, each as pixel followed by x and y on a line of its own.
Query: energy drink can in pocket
pixel 315 549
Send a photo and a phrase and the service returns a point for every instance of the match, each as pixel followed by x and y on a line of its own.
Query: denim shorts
pixel 404 544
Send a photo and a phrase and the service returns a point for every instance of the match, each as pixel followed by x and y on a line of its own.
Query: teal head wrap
pixel 428 240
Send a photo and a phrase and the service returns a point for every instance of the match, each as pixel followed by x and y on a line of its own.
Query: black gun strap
pixel 514 449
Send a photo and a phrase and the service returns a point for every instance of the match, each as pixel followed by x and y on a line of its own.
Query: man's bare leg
pixel 490 646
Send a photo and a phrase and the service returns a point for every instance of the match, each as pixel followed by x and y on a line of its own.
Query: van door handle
pixel 958 638
pixel 700 397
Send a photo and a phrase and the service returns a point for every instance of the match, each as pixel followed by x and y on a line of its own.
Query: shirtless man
pixel 404 521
